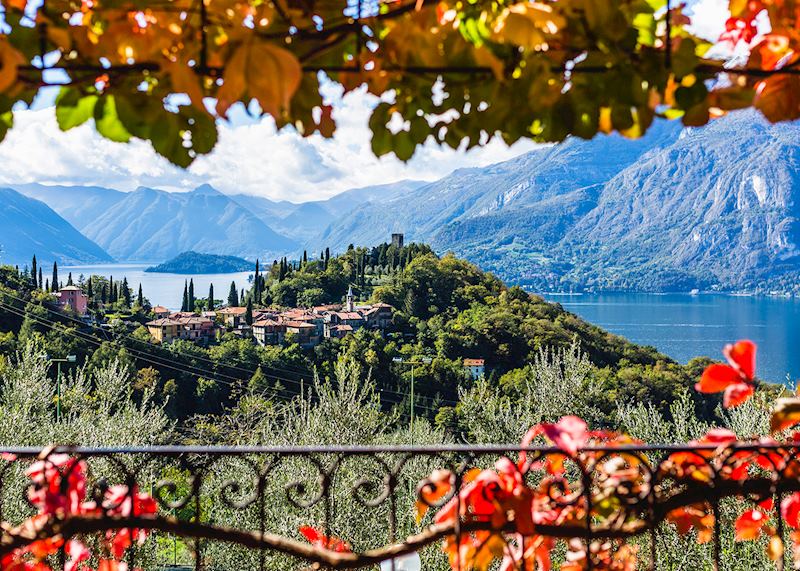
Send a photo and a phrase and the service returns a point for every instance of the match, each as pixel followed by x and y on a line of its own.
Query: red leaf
pixel 742 357
pixel 790 510
pixel 716 378
pixel 318 539
pixel 750 524
pixel 568 434
pixel 737 394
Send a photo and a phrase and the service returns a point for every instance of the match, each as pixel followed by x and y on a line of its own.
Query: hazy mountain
pixel 78 205
pixel 303 221
pixel 29 226
pixel 677 209
pixel 150 224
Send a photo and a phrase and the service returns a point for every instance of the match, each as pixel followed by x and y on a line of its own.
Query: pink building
pixel 73 298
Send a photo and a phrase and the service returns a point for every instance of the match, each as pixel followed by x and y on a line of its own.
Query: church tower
pixel 350 305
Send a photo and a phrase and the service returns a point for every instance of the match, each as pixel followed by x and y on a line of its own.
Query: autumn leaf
pixel 785 414
pixel 185 80
pixel 264 71
pixel 750 524
pixel 10 60
pixel 528 24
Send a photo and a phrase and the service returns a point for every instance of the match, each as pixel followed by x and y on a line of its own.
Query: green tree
pixel 248 316
pixel 126 293
pixel 233 296
pixel 34 271
pixel 54 281
pixel 140 297
pixel 185 301
pixel 191 298
pixel 69 279
pixel 210 302
pixel 41 281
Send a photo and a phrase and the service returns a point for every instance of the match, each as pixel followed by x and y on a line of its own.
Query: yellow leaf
pixel 10 60
pixel 775 548
pixel 528 24
pixel 785 414
pixel 267 72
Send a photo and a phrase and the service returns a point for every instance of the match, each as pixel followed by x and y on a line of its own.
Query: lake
pixel 685 326
pixel 162 289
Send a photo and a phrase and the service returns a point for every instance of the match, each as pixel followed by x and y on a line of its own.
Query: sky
pixel 252 157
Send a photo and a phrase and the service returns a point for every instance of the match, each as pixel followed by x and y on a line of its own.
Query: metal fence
pixel 242 507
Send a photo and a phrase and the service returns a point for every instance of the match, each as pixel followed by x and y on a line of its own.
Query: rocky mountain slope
pixel 681 208
pixel 29 226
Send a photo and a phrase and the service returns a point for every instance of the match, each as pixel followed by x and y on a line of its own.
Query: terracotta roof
pixel 298 324
pixel 348 315
pixel 342 328
pixel 266 323
pixel 163 321
pixel 232 311
pixel 473 362
pixel 160 309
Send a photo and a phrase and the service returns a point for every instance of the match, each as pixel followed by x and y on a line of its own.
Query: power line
pixel 249 372
pixel 160 361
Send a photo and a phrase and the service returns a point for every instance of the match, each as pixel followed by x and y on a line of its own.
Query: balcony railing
pixel 242 507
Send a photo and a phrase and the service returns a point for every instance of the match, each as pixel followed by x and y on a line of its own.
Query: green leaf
pixel 403 145
pixel 108 122
pixel 72 109
pixel 6 122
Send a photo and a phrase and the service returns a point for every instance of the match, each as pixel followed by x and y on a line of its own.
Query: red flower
pixel 736 378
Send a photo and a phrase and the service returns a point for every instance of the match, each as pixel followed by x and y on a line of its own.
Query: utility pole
pixel 69 359
pixel 401 361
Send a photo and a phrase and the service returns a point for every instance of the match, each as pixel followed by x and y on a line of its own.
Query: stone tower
pixel 397 240
pixel 350 299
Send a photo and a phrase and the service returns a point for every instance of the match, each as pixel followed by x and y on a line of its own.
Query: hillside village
pixel 271 326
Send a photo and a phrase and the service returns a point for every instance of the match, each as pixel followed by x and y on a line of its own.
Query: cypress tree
pixel 241 296
pixel 305 258
pixel 69 279
pixel 54 281
pixel 89 291
pixel 104 294
pixel 126 292
pixel 114 293
pixel 248 316
pixel 282 271
pixel 210 303
pixel 257 283
pixel 233 296
pixel 327 257
pixel 111 290
pixel 185 302
pixel 47 285
pixel 41 281
pixel 191 298
pixel 140 297
pixel 34 272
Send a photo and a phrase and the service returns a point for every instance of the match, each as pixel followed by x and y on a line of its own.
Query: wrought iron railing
pixel 241 507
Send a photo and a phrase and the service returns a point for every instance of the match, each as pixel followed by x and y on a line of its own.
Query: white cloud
pixel 708 18
pixel 251 157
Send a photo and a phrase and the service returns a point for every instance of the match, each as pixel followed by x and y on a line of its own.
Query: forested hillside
pixel 446 309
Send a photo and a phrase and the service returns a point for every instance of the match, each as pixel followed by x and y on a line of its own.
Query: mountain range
pixel 680 208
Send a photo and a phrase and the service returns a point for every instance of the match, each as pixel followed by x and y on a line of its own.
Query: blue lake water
pixel 680 325
pixel 162 289
pixel 685 326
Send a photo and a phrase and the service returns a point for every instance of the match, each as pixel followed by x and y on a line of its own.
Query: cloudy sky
pixel 251 157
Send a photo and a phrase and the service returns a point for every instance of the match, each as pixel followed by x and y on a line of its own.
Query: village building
pixel 232 316
pixel 269 332
pixel 160 312
pixel 196 328
pixel 164 330
pixel 73 299
pixel 474 368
